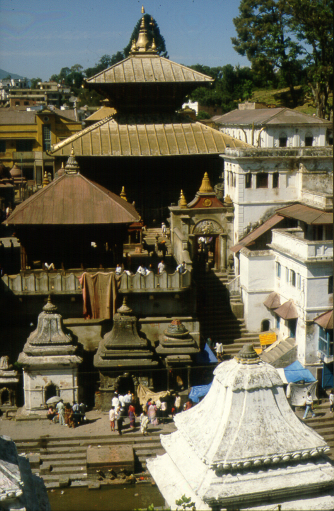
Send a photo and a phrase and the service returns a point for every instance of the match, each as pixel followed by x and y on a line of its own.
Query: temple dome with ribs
pixel 243 442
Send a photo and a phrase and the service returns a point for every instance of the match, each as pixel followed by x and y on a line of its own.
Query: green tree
pixel 312 22
pixel 265 37
pixel 34 82
pixel 153 31
pixel 104 62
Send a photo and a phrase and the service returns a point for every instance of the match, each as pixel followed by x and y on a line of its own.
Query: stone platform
pixel 110 457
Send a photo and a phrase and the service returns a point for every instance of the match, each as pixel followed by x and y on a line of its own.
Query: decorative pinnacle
pixel 206 185
pixel 182 200
pixel 49 307
pixel 45 179
pixel 142 9
pixel 72 166
pixel 124 309
pixel 247 355
pixel 123 194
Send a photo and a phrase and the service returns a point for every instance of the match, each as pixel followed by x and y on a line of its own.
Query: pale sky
pixel 39 37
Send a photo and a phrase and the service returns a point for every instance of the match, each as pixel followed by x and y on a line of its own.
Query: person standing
pixel 112 415
pixel 164 411
pixel 177 403
pixel 115 401
pixel 308 405
pixel 144 422
pixel 331 401
pixel 132 416
pixel 61 412
pixel 161 267
pixel 119 419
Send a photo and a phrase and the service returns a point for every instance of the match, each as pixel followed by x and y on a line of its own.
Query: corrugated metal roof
pixel 72 199
pixel 101 113
pixel 307 214
pixel 158 135
pixel 268 224
pixel 272 116
pixel 148 69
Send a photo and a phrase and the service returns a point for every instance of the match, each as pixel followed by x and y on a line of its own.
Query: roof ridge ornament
pixel 123 194
pixel 142 45
pixel 206 185
pixel 72 166
pixel 182 200
pixel 247 355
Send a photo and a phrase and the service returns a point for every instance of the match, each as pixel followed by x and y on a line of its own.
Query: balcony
pixel 292 242
pixel 67 282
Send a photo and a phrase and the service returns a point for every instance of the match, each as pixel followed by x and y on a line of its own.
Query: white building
pixel 275 127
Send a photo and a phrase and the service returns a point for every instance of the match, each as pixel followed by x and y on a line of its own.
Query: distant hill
pixel 4 74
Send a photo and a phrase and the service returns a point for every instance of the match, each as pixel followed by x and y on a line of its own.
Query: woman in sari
pixel 132 416
pixel 152 414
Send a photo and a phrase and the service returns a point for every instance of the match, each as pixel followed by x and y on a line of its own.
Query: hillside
pixel 4 74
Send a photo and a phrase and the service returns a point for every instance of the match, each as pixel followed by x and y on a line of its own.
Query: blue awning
pixel 295 372
pixel 199 391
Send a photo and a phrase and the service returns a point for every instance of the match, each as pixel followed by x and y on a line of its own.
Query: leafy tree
pixel 104 62
pixel 34 82
pixel 265 37
pixel 153 31
pixel 312 22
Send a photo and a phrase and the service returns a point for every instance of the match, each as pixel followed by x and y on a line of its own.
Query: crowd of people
pixel 153 412
pixel 67 414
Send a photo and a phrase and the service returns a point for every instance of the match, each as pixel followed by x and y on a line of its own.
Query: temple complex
pixel 242 447
pixel 50 362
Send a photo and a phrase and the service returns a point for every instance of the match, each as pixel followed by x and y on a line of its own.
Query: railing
pixel 234 286
pixel 68 283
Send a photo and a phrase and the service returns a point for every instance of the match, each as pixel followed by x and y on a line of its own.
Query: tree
pixel 104 62
pixel 312 22
pixel 34 82
pixel 265 37
pixel 153 31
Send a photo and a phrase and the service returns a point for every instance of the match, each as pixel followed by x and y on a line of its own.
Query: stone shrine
pixel 50 362
pixel 242 447
pixel 177 349
pixel 8 384
pixel 119 352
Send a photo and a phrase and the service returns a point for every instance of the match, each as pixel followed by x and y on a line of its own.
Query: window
pixel 2 146
pixel 283 140
pixel 248 180
pixel 262 180
pixel 292 325
pixel 330 285
pixel 24 145
pixel 278 321
pixel 46 137
pixel 287 274
pixel 308 140
pixel 325 341
pixel 278 270
pixel 293 278
pixel 275 179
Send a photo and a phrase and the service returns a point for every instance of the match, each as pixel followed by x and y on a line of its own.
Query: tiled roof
pixel 146 136
pixel 148 69
pixel 271 116
pixel 72 199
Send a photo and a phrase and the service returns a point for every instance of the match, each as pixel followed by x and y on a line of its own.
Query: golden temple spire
pixel 182 200
pixel 123 194
pixel 142 9
pixel 45 179
pixel 142 45
pixel 206 185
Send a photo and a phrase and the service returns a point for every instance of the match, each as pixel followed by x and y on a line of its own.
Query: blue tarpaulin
pixel 295 372
pixel 199 391
pixel 206 356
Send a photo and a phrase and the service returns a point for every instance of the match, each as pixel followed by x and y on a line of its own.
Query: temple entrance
pixel 5 399
pixel 50 391
pixel 207 252
pixel 125 383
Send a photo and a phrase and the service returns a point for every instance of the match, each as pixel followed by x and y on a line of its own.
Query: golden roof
pixel 159 135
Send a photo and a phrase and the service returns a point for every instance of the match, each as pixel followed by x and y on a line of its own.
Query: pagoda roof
pixel 72 199
pixel 148 68
pixel 147 135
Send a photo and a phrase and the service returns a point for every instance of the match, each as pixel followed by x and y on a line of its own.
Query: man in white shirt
pixel 118 270
pixel 161 267
pixel 115 401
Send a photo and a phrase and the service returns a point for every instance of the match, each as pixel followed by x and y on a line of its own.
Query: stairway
pixel 150 237
pixel 215 314
pixel 55 459
pixel 323 423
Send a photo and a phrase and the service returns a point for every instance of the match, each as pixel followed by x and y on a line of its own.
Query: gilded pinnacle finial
pixel 72 166
pixel 154 46
pixel 142 9
pixel 182 200
pixel 206 185
pixel 45 179
pixel 123 194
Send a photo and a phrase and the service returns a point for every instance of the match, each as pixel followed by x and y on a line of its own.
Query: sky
pixel 39 37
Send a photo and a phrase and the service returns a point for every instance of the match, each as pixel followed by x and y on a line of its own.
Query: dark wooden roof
pixel 72 199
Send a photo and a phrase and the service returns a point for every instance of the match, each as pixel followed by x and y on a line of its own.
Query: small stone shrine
pixel 242 447
pixel 19 488
pixel 119 352
pixel 50 362
pixel 177 349
pixel 8 384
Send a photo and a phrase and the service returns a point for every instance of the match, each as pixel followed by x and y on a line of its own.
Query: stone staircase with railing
pixel 217 313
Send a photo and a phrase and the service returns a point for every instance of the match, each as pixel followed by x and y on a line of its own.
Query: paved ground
pixel 97 424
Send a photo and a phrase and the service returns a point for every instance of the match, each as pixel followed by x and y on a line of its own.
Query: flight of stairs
pixel 323 423
pixel 215 314
pixel 55 459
